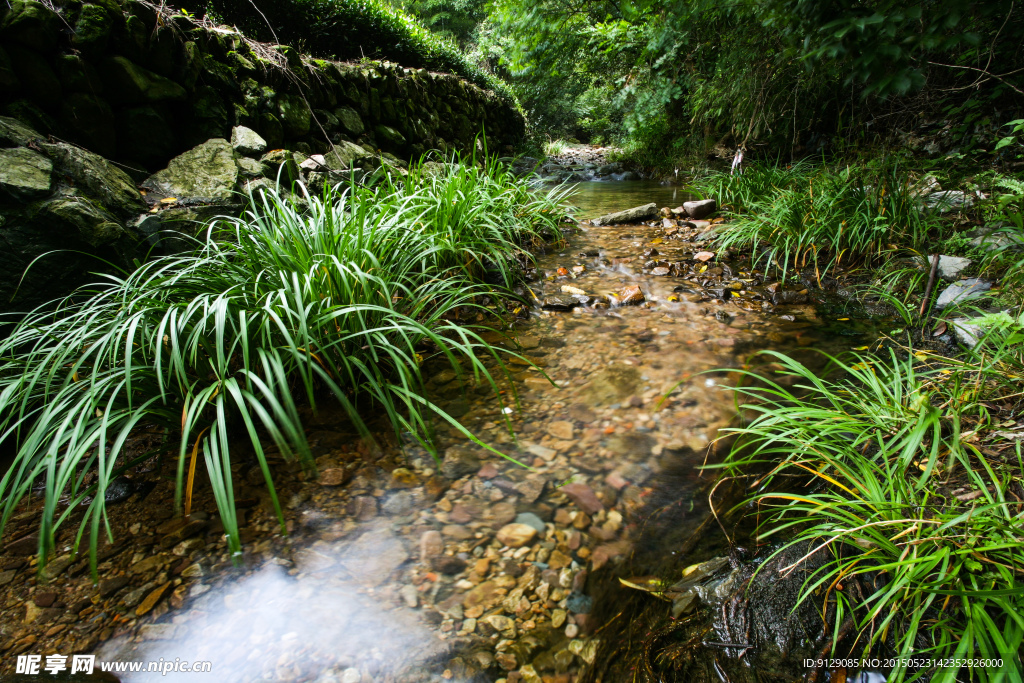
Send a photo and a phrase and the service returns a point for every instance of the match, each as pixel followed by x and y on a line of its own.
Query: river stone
pixel 962 291
pixel 701 208
pixel 247 142
pixel 105 181
pixel 532 520
pixel 374 556
pixel 431 544
pixel 584 497
pixel 560 303
pixel 24 174
pixel 950 267
pixel 207 172
pixel 458 462
pixel 516 535
pixel 128 83
pixel 634 215
pixel 631 296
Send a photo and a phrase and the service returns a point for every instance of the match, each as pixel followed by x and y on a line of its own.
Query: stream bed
pixel 480 570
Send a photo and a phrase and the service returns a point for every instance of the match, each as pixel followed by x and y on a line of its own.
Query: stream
pixel 394 571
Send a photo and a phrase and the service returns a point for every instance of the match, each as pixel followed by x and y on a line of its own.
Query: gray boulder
pixel 701 208
pixel 962 292
pixel 950 267
pixel 634 215
pixel 993 238
pixel 948 201
pixel 247 142
pixel 207 173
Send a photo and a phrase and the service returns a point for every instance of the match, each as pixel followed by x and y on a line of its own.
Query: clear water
pixel 600 197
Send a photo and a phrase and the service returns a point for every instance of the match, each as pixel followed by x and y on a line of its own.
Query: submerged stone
pixel 634 215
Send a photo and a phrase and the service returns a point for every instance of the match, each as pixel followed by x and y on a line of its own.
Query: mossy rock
pixel 24 174
pixel 78 75
pixel 32 24
pixel 134 40
pixel 294 115
pixel 163 51
pixel 191 66
pixel 9 82
pixel 89 121
pixel 207 172
pixel 90 224
pixel 104 181
pixel 38 80
pixel 93 28
pixel 270 129
pixel 145 134
pixel 211 117
pixel 29 113
pixel 280 165
pixel 388 137
pixel 128 83
pixel 350 121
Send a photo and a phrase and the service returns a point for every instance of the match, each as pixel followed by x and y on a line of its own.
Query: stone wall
pixel 140 87
pixel 110 94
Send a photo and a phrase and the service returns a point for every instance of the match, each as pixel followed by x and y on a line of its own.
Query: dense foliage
pixel 673 76
pixel 341 296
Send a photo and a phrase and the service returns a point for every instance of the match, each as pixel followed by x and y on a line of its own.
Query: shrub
pixel 344 298
pixel 864 466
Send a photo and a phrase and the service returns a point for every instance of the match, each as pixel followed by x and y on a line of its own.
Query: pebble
pixel 561 429
pixel 584 497
pixel 530 519
pixel 516 535
pixel 431 545
pixel 558 617
pixel 410 596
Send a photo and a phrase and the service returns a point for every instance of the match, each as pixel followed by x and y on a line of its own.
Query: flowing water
pixel 395 571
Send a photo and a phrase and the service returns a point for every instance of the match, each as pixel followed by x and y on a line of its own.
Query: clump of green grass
pixel 343 296
pixel 801 215
pixel 554 148
pixel 865 460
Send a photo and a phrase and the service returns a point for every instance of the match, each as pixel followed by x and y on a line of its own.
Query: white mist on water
pixel 325 624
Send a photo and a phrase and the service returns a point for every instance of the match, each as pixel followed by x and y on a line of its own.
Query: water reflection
pixel 598 198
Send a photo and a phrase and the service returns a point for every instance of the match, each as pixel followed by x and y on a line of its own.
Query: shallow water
pixel 597 198
pixel 396 574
